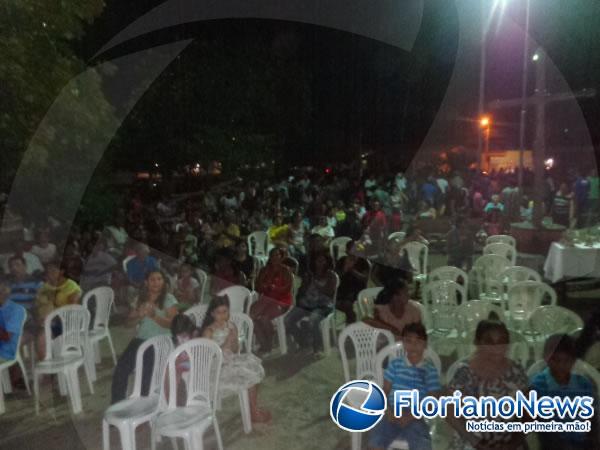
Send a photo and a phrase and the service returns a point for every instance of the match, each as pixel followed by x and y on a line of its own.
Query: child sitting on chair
pixel 557 379
pixel 410 371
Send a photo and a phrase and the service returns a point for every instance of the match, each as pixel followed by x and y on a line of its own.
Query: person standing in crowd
pixel 353 272
pixel 155 309
pixel 98 267
pixel 11 321
pixel 274 285
pixel 459 245
pixel 562 206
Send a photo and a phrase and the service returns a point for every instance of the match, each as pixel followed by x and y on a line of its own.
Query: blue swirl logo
pixel 358 406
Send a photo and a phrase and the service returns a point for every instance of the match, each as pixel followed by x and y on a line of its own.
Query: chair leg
pixel 112 349
pixel 282 337
pixel 325 336
pixel 62 384
pixel 218 433
pixel 245 410
pixel 97 355
pixel 6 385
pixel 2 407
pixel 105 435
pixel 88 362
pixel 24 372
pixel 74 390
pixel 36 392
pixel 88 373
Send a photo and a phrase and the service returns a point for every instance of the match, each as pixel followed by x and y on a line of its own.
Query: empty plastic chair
pixel 365 302
pixel 418 254
pixel 197 313
pixel 449 273
pixel 104 298
pixel 128 414
pixel 502 238
pixel 502 249
pixel 240 298
pixel 337 247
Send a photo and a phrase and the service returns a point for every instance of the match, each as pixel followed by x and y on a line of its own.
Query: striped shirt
pixel 24 292
pixel 403 375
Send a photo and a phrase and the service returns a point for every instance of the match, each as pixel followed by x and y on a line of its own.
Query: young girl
pixel 183 329
pixel 239 370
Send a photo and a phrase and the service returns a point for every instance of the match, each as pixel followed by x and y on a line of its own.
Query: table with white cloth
pixel 576 261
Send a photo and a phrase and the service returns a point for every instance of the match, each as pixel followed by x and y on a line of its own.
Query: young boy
pixel 410 371
pixel 558 380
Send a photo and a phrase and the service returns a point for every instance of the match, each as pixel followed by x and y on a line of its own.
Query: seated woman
pixel 274 284
pixel 353 272
pixel 243 260
pixel 394 310
pixel 187 289
pixel 279 232
pixel 57 291
pixel 226 273
pixel 155 309
pixel 487 372
pixel 315 302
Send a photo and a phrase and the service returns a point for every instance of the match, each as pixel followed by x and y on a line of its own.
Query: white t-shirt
pixel 46 254
pixel 325 231
pixel 32 263
pixel 442 184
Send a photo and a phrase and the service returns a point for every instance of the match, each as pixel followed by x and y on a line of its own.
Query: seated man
pixel 411 371
pixel 11 318
pixel 137 269
pixel 23 287
pixel 558 380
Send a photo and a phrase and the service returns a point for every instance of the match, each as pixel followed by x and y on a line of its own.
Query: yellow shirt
pixel 279 234
pixel 50 297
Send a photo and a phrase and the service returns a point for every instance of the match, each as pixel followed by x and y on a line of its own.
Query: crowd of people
pixel 150 252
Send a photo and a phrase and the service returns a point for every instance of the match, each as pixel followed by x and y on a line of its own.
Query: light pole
pixel 485 124
pixel 482 63
pixel 524 95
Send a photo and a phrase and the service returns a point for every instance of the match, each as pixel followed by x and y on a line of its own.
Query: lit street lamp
pixel 485 124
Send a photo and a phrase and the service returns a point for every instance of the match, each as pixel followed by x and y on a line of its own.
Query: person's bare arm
pixel 165 322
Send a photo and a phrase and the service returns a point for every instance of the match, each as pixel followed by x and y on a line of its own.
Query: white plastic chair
pixel 258 244
pixel 328 325
pixel 197 313
pixel 580 368
pixel 202 277
pixel 516 274
pixel 337 247
pixel 449 273
pixel 501 238
pixel 441 298
pixel 191 421
pixel 487 270
pixel 240 298
pixel 104 301
pixel 279 321
pixel 65 354
pixel 5 385
pixel 396 236
pixel 418 254
pixel 364 340
pixel 501 249
pixel 128 414
pixel 551 319
pixel 365 302
pixel 524 298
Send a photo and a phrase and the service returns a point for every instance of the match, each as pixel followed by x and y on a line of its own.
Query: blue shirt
pixel 137 270
pixel 11 318
pixel 545 384
pixel 23 292
pixel 403 375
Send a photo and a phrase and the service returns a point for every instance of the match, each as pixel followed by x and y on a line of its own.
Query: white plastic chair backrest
pixel 258 243
pixel 397 236
pixel 162 346
pixel 425 315
pixel 417 255
pixel 501 238
pixel 295 262
pixel 364 340
pixel 366 301
pixel 396 350
pixel 104 297
pixel 553 319
pixel 487 269
pixel 516 274
pixel 126 261
pixel 474 311
pixel 197 313
pixel 202 280
pixel 75 322
pixel 337 247
pixel 501 249
pixel 245 330
pixel 580 368
pixel 526 296
pixel 450 273
pixel 239 298
pixel 205 361
pixel 441 298
pixel 337 285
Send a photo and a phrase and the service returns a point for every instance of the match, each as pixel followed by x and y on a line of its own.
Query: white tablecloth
pixel 572 262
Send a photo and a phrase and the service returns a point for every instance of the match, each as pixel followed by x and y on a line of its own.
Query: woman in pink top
pixel 394 309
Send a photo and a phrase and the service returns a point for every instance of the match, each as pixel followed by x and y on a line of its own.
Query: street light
pixel 485 124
